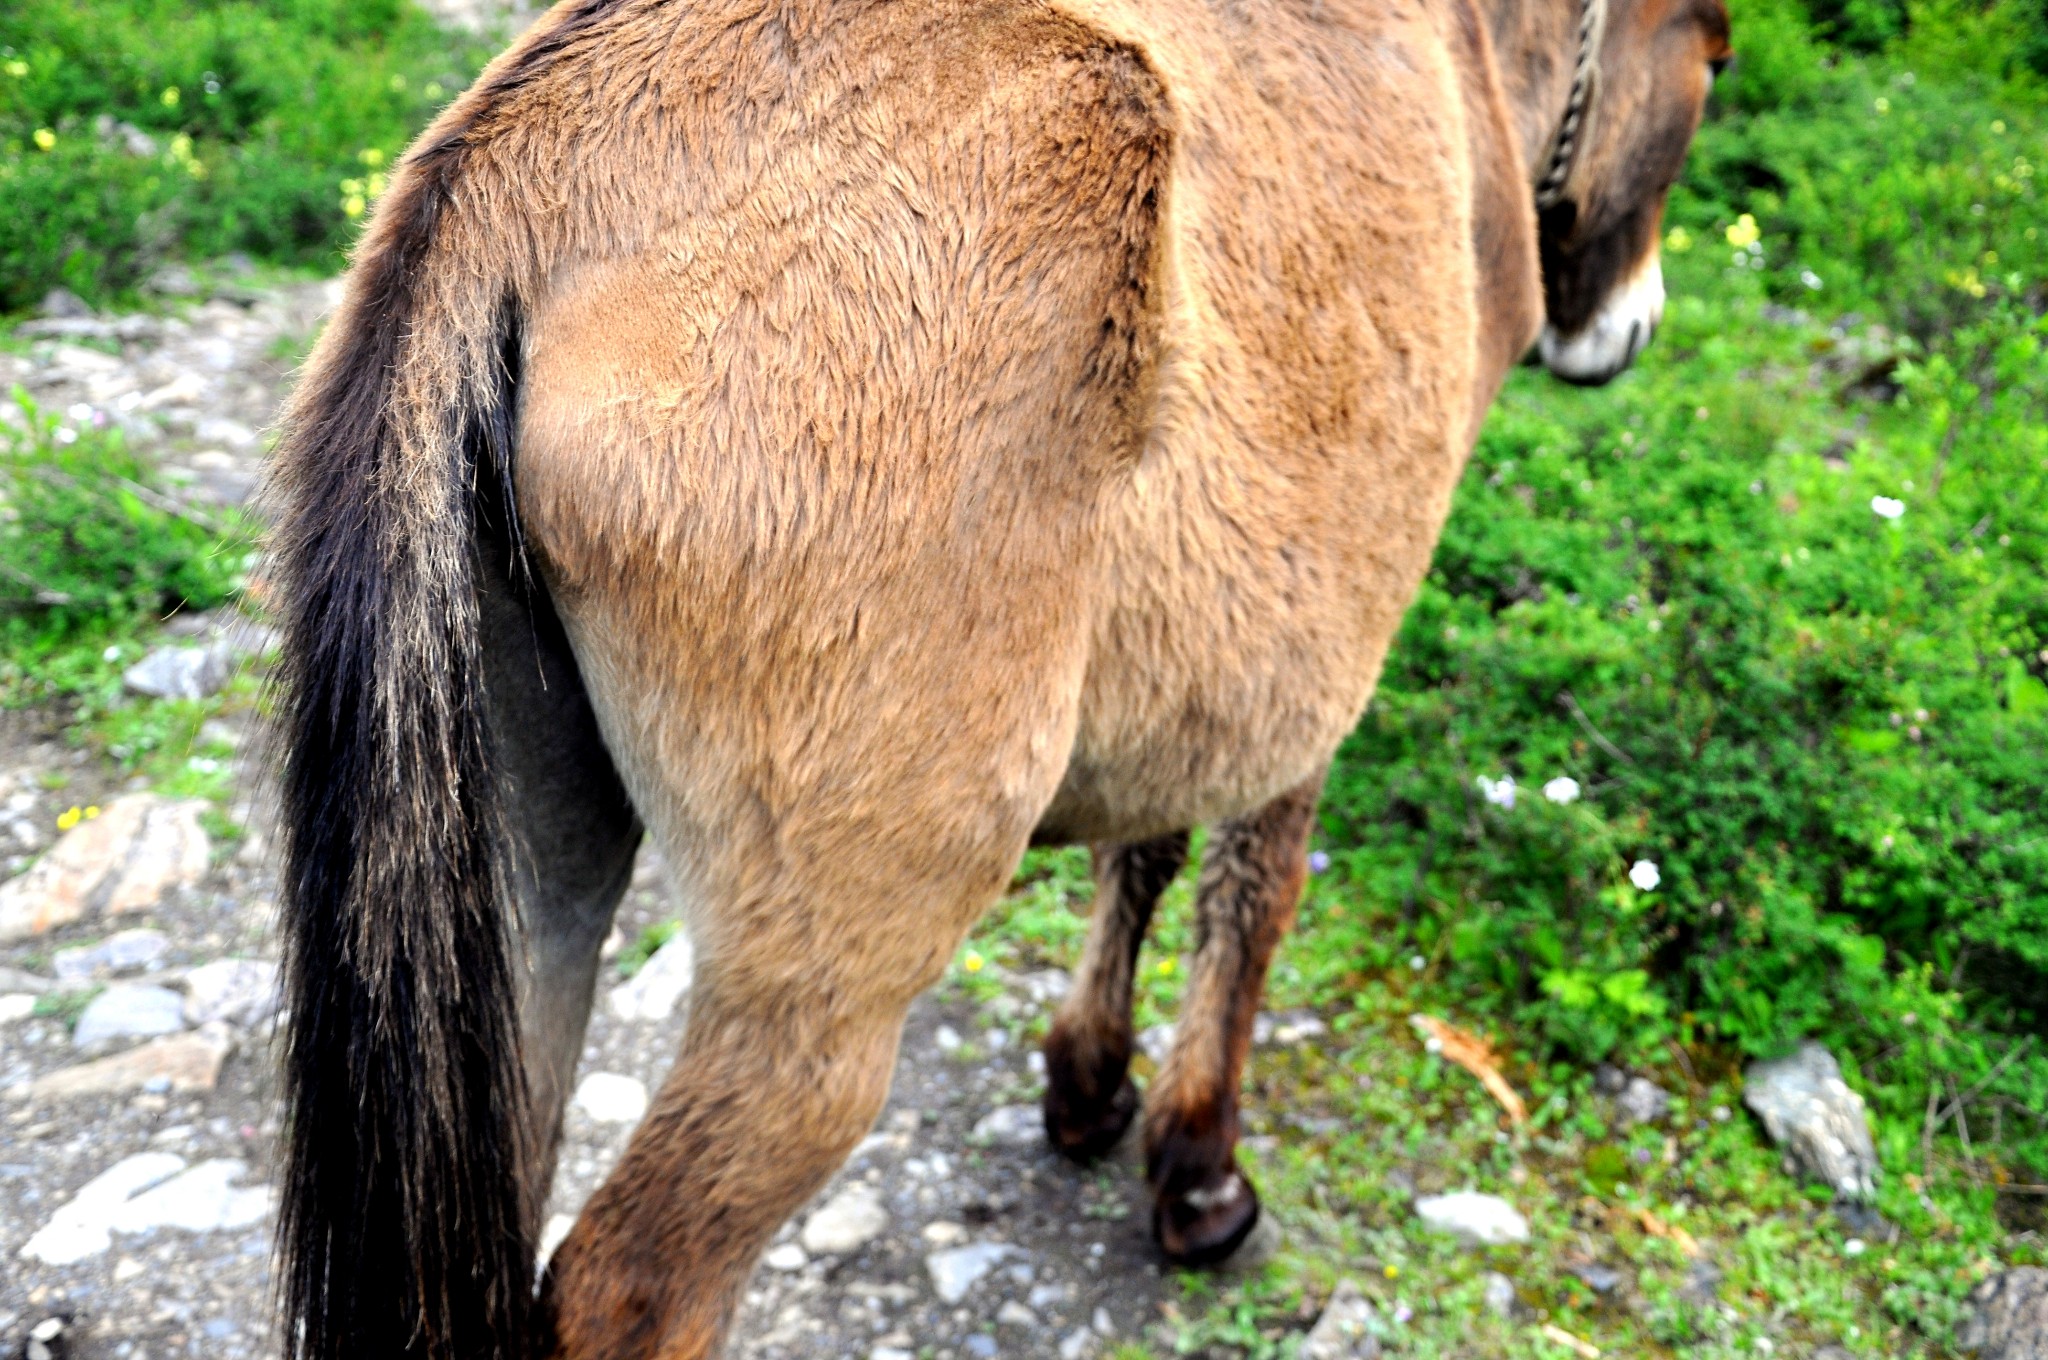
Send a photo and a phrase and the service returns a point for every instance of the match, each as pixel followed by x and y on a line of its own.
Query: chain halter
pixel 1564 147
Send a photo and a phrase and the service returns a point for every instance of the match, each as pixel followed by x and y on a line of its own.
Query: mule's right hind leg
pixel 1089 1097
pixel 574 835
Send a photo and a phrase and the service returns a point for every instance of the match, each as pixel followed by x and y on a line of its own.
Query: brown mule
pixel 854 440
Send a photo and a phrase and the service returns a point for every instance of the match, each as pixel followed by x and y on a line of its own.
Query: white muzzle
pixel 1618 332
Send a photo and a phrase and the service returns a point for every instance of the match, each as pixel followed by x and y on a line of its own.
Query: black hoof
pixel 1084 1131
pixel 1205 1225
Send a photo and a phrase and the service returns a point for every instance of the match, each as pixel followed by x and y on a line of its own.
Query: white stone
pixel 1101 1321
pixel 1343 1332
pixel 1156 1042
pixel 891 1353
pixel 82 1227
pixel 129 1010
pixel 959 1269
pixel 788 1256
pixel 240 991
pixel 1010 1126
pixel 16 1006
pixel 845 1223
pixel 947 1038
pixel 204 1199
pixel 661 984
pixel 1047 985
pixel 610 1098
pixel 945 1233
pixel 1484 1220
pixel 126 859
pixel 1015 1314
pixel 551 1236
pixel 1287 1028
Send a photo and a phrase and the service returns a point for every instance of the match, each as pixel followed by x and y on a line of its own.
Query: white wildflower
pixel 1563 789
pixel 1886 507
pixel 1643 873
pixel 1499 792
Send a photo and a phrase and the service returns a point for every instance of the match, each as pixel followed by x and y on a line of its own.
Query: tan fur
pixel 947 424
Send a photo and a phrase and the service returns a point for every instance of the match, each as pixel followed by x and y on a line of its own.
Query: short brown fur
pixel 939 426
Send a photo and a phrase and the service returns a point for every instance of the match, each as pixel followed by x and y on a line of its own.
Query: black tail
pixel 402 1231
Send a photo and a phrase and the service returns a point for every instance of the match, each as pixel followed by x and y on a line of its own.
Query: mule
pixel 854 441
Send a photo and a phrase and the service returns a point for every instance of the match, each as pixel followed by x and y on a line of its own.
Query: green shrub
pixel 1826 728
pixel 87 542
pixel 136 130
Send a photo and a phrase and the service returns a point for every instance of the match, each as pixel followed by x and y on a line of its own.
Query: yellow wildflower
pixel 1391 1272
pixel 371 157
pixel 353 205
pixel 170 96
pixel 17 67
pixel 45 138
pixel 972 962
pixel 1744 233
pixel 1166 968
pixel 92 812
pixel 68 818
pixel 1678 240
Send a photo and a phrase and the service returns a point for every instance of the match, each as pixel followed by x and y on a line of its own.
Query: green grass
pixel 139 132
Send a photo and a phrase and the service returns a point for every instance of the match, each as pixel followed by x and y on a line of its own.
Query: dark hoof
pixel 1204 1226
pixel 1084 1131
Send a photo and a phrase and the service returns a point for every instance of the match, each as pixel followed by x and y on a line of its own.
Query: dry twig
pixel 1476 1056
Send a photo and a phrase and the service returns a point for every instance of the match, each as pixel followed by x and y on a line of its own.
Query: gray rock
pixel 1810 1111
pixel 1047 986
pixel 19 980
pixel 1345 1329
pixel 959 1269
pixel 1156 1042
pixel 845 1223
pixel 2009 1318
pixel 981 1346
pixel 181 672
pixel 1011 1126
pixel 1500 1295
pixel 1642 1101
pixel 63 304
pixel 1481 1220
pixel 129 1011
pixel 240 991
pixel 1015 1314
pixel 120 952
pixel 1598 1278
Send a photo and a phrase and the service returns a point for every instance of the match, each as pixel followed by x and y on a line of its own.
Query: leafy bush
pixel 136 130
pixel 86 541
pixel 1824 726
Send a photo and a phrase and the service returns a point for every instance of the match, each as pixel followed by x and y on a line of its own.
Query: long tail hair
pixel 402 1231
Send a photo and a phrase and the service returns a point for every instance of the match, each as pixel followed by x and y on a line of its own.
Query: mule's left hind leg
pixel 1252 872
pixel 1089 1098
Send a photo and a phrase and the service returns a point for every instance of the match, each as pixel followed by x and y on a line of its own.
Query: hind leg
pixel 1252 873
pixel 575 835
pixel 1089 1097
pixel 785 1065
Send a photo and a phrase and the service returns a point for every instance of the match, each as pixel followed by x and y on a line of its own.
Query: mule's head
pixel 1639 87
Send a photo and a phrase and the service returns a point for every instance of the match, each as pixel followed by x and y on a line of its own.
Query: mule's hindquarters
pixel 820 509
